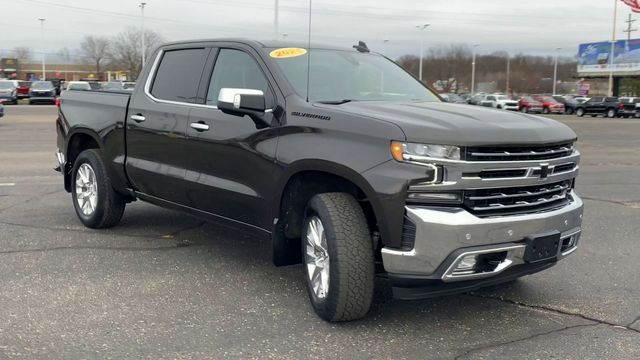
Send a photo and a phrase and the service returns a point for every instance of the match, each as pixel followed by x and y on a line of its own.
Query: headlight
pixel 423 153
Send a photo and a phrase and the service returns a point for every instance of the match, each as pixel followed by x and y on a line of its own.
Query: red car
pixel 23 89
pixel 549 104
pixel 528 104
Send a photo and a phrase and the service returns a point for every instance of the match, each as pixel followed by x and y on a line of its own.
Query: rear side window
pixel 596 99
pixel 611 99
pixel 237 69
pixel 179 74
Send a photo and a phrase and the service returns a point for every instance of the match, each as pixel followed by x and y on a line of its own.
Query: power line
pixel 629 28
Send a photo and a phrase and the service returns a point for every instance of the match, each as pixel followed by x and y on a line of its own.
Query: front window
pixel 503 97
pixel 6 85
pixel 42 85
pixel 336 75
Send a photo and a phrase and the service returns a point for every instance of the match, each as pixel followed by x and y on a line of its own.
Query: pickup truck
pixel 344 161
pixel 599 105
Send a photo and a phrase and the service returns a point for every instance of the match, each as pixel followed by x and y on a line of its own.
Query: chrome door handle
pixel 199 126
pixel 138 118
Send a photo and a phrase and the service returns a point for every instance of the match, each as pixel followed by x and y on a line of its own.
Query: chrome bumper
pixel 442 231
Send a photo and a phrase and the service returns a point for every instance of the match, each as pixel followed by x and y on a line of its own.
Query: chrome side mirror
pixel 241 101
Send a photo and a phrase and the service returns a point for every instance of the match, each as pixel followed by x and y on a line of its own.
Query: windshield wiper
pixel 335 102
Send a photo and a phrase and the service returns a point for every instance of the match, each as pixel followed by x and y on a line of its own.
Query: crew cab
pixel 599 105
pixel 500 102
pixel 629 107
pixel 527 104
pixel 341 159
pixel 549 104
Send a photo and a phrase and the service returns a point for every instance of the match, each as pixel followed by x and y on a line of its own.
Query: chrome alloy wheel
pixel 317 257
pixel 86 189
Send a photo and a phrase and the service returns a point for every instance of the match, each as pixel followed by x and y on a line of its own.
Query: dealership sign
pixel 595 58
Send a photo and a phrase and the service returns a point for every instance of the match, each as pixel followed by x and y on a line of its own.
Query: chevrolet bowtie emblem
pixel 544 171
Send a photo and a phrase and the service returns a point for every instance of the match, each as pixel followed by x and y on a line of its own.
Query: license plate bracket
pixel 542 247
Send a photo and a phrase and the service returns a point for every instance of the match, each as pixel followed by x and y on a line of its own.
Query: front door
pixel 157 123
pixel 232 170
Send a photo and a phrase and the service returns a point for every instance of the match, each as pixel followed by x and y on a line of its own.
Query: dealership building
pixel 596 63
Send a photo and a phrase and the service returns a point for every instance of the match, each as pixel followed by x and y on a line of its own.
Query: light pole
pixel 613 44
pixel 473 70
pixel 276 24
pixel 508 72
pixel 421 28
pixel 44 71
pixel 142 5
pixel 555 71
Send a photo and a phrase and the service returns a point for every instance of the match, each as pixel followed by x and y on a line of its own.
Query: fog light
pixel 466 265
pixel 429 197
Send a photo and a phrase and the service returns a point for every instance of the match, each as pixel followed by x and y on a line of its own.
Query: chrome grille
pixel 518 153
pixel 517 200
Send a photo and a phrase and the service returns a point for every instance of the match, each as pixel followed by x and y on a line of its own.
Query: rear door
pixel 232 171
pixel 158 117
pixel 594 105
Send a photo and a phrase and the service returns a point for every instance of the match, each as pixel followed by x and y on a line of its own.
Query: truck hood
pixel 465 125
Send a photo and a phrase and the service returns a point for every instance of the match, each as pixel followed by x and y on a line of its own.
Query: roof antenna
pixel 309 51
pixel 361 47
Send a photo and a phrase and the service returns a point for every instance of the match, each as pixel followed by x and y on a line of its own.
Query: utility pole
pixel 44 71
pixel 421 28
pixel 613 46
pixel 555 72
pixel 473 70
pixel 276 21
pixel 629 29
pixel 142 35
pixel 508 72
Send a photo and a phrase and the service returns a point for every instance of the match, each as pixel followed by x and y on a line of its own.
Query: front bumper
pixel 441 232
pixel 43 99
pixel 510 107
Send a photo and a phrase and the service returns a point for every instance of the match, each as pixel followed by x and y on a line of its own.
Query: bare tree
pixel 23 54
pixel 126 49
pixel 95 50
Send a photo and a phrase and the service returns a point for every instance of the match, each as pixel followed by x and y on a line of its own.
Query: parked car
pixel 23 89
pixel 500 102
pixel 78 85
pixel 438 198
pixel 113 85
pixel 527 104
pixel 1 109
pixel 599 105
pixel 476 99
pixel 129 85
pixel 569 103
pixel 8 91
pixel 629 107
pixel 549 104
pixel 452 98
pixel 57 84
pixel 42 92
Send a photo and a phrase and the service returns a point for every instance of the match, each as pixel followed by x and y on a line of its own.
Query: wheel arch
pixel 304 180
pixel 78 141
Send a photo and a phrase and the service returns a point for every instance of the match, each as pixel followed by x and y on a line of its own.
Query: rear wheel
pixel 338 257
pixel 580 112
pixel 524 109
pixel 569 111
pixel 96 203
pixel 546 111
pixel 611 113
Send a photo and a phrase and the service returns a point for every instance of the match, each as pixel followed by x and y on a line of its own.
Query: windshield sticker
pixel 284 53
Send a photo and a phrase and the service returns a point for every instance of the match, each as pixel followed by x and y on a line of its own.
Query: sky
pixel 534 27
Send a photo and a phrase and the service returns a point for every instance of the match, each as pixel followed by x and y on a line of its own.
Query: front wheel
pixel 524 110
pixel 338 257
pixel 96 203
pixel 569 111
pixel 580 112
pixel 546 111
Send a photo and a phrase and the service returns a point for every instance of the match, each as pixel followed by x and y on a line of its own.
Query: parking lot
pixel 166 285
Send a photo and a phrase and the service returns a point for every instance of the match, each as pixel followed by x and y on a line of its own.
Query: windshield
pixel 79 86
pixel 4 85
pixel 548 99
pixel 42 85
pixel 503 97
pixel 336 76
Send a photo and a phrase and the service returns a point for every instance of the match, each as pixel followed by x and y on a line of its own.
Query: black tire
pixel 524 110
pixel 611 113
pixel 546 111
pixel 109 205
pixel 569 111
pixel 580 112
pixel 351 258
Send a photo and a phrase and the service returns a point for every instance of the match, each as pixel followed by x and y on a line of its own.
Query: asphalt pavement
pixel 165 285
